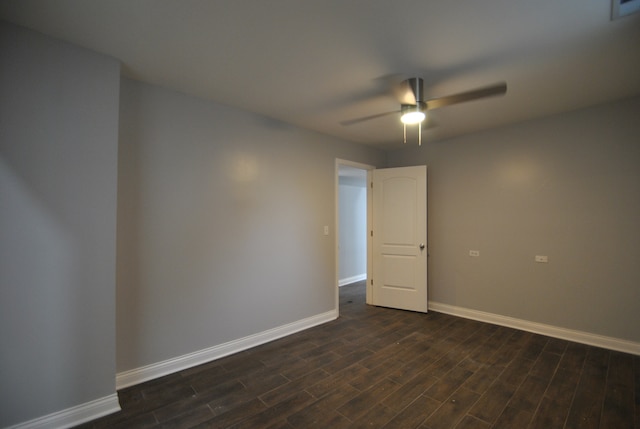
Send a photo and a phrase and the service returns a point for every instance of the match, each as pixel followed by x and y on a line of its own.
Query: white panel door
pixel 399 219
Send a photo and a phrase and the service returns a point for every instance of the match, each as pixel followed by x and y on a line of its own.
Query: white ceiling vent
pixel 620 8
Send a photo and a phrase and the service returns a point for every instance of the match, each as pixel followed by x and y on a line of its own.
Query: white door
pixel 399 253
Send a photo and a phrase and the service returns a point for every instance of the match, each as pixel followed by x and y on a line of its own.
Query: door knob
pixel 421 246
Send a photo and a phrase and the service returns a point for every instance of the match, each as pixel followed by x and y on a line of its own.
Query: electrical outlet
pixel 542 259
pixel 474 253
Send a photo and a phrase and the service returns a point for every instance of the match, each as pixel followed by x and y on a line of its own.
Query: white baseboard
pixel 73 416
pixel 149 372
pixel 540 328
pixel 352 279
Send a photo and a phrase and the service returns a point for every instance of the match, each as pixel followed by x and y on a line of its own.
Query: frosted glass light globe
pixel 414 117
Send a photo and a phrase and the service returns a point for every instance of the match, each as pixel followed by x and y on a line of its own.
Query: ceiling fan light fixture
pixel 413 113
pixel 413 117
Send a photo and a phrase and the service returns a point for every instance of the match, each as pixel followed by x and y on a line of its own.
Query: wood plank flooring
pixel 383 368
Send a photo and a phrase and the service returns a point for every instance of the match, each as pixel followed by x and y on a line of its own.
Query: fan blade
pixel 429 123
pixel 392 84
pixel 366 118
pixel 474 94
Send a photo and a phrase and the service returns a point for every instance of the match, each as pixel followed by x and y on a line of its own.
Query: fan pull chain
pixel 420 134
pixel 404 127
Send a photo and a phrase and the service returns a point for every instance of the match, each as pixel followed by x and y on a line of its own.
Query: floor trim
pixel 352 279
pixel 149 372
pixel 75 415
pixel 610 343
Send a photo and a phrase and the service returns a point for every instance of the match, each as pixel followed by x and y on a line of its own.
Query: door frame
pixel 368 168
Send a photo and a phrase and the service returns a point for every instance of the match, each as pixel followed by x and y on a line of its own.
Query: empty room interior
pixel 296 214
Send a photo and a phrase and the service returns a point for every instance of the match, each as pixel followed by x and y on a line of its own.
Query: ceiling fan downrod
pixel 416 85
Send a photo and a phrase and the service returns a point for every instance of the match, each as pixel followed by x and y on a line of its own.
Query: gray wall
pixel 58 182
pixel 566 186
pixel 352 216
pixel 220 224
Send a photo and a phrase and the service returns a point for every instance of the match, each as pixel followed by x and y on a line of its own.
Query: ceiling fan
pixel 413 106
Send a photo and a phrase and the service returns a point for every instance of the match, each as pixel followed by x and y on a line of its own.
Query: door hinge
pixel 372 233
pixel 371 185
pixel 371 282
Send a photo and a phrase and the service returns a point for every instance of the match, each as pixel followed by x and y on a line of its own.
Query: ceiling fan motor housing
pixel 416 85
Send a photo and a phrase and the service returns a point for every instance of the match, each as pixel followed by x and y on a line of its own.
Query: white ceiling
pixel 314 63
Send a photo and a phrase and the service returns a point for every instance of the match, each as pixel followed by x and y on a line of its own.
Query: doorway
pixel 352 223
pixel 397 255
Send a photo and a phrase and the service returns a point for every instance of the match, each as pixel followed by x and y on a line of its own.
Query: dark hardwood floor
pixel 377 367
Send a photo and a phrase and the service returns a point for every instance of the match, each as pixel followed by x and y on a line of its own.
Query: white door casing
pixel 399 237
